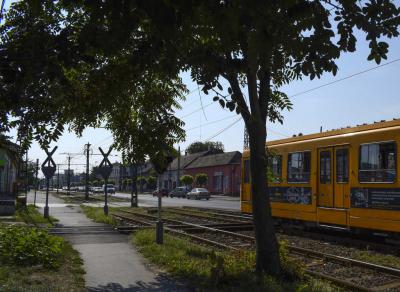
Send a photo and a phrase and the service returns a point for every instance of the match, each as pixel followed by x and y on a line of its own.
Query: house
pixel 223 171
pixel 8 176
pixel 121 172
pixel 169 179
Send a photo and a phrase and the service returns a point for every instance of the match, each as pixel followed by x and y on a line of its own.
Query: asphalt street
pixel 217 202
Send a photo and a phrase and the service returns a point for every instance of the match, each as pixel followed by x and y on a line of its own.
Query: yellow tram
pixel 346 178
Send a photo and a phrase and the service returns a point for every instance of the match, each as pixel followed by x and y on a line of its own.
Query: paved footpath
pixel 110 261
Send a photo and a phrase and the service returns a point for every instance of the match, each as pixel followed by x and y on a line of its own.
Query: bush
pixel 201 179
pixel 26 246
pixel 187 180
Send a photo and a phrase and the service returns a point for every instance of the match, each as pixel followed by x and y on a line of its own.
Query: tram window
pixel 299 167
pixel 275 167
pixel 325 167
pixel 342 165
pixel 246 171
pixel 378 162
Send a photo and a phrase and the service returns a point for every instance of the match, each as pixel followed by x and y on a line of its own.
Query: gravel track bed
pixel 227 240
pixel 318 245
pixel 194 220
pixel 356 275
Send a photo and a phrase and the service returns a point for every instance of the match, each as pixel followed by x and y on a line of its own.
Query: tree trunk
pixel 267 250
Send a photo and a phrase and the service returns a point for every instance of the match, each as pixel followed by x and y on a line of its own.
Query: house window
pixel 342 165
pixel 299 167
pixel 378 162
pixel 275 168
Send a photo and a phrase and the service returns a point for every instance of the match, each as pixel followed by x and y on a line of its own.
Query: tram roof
pixel 337 132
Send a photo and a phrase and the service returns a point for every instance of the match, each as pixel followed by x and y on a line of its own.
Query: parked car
pixel 198 194
pixel 179 192
pixel 110 189
pixel 162 192
pixel 96 190
pixel 82 188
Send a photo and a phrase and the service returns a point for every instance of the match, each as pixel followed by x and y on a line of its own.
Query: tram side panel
pixel 375 199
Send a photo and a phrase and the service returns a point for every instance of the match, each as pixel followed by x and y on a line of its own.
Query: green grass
pixel 377 258
pixel 68 277
pixel 97 214
pixel 31 215
pixel 78 198
pixel 209 270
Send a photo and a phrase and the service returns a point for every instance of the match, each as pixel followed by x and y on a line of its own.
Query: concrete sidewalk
pixel 110 261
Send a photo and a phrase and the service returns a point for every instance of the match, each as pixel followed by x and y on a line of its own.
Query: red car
pixel 162 192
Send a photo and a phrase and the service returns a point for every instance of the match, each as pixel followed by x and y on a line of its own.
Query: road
pixel 217 202
pixel 147 200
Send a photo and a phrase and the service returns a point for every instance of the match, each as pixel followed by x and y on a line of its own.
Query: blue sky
pixel 369 97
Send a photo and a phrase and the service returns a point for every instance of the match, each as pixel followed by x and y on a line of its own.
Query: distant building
pixel 169 179
pixel 120 173
pixel 9 160
pixel 223 171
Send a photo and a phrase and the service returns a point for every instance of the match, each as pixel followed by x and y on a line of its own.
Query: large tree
pixel 198 146
pixel 254 47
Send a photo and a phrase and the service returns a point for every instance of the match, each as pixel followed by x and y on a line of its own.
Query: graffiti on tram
pixel 292 195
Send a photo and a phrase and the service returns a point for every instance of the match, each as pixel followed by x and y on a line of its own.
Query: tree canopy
pixel 61 68
pixel 81 63
pixel 198 146
pixel 186 180
pixel 201 179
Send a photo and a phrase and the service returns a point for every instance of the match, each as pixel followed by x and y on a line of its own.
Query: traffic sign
pixel 105 167
pixel 48 166
pixel 104 171
pixel 48 171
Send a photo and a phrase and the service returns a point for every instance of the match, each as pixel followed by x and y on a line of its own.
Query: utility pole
pixel 36 181
pixel 134 192
pixel 26 174
pixel 87 171
pixel 69 175
pixel 179 167
pixel 58 177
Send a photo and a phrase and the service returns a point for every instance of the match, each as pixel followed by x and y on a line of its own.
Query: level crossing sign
pixel 105 167
pixel 48 166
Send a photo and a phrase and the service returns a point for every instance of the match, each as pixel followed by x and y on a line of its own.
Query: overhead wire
pixel 224 129
pixel 344 78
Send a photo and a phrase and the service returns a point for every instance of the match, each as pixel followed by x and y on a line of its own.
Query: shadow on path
pixel 161 283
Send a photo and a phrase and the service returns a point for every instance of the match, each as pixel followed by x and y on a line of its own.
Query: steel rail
pixel 182 233
pixel 217 216
pixel 220 213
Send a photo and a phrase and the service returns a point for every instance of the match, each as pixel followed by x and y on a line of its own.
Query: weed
pixel 27 246
pixel 208 269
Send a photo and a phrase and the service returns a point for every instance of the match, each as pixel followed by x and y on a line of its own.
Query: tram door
pixel 333 179
pixel 341 176
pixel 325 180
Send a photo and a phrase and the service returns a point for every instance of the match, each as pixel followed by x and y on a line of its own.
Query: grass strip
pixel 208 270
pixel 97 214
pixel 78 198
pixel 31 215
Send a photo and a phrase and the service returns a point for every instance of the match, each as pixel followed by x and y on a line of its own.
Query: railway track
pixel 336 237
pixel 346 272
